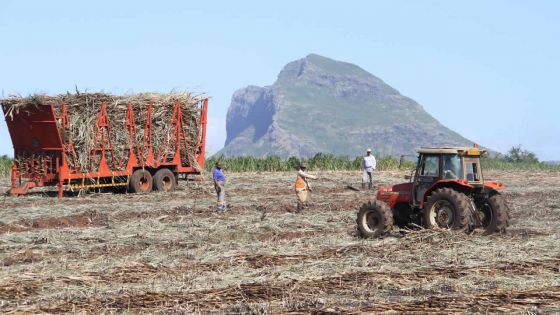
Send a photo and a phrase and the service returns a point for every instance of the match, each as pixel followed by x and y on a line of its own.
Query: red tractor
pixel 446 191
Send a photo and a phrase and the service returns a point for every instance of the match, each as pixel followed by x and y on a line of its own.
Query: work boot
pixel 220 209
pixel 299 207
pixel 370 185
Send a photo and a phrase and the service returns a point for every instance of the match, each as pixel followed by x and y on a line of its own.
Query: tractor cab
pixel 448 166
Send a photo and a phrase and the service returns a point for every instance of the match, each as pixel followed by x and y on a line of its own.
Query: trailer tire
pixel 141 182
pixel 165 180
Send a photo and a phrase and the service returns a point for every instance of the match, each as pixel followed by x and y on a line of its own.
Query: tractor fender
pixel 458 185
pixel 494 185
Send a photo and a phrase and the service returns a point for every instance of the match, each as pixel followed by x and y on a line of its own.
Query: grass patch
pixel 5 166
pixel 501 164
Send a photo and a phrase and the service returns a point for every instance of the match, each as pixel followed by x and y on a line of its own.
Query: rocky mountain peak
pixel 318 104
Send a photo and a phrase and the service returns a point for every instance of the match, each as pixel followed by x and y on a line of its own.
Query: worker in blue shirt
pixel 220 186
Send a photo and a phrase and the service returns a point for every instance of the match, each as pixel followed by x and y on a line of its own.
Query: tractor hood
pixel 394 194
pixel 404 187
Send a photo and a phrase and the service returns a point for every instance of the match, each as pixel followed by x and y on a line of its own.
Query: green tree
pixel 517 155
pixel 293 163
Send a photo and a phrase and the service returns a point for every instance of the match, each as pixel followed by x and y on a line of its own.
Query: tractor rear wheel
pixel 374 219
pixel 164 180
pixel 495 215
pixel 140 182
pixel 446 208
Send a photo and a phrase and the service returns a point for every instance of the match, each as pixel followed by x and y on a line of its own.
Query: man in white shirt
pixel 369 167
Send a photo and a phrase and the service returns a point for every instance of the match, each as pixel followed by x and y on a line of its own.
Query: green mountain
pixel 322 105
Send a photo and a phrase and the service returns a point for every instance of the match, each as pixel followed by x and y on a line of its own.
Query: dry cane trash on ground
pixel 166 253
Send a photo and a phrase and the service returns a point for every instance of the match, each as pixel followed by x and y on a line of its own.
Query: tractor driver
pixel 451 166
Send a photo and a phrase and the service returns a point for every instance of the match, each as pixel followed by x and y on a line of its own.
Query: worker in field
pixel 220 186
pixel 302 187
pixel 369 167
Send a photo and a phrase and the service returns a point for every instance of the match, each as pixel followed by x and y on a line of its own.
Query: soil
pixel 170 253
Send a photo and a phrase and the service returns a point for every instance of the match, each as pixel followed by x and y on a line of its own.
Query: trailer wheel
pixel 165 180
pixel 141 182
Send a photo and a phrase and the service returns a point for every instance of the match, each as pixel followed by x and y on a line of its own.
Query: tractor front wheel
pixel 374 219
pixel 495 215
pixel 140 182
pixel 447 209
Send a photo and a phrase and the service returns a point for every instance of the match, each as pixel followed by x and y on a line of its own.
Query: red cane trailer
pixel 42 150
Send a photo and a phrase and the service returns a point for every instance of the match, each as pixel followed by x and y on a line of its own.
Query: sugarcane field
pixel 167 252
pixel 329 158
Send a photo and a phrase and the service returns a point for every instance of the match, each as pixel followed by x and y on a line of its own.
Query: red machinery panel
pixel 34 129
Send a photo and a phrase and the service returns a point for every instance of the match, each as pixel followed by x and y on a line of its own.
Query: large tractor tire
pixel 165 180
pixel 374 219
pixel 141 182
pixel 447 209
pixel 495 215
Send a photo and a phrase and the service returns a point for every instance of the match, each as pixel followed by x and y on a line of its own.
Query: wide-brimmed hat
pixel 219 164
pixel 368 150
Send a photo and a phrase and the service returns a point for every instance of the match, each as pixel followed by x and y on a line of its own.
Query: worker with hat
pixel 302 187
pixel 220 186
pixel 369 167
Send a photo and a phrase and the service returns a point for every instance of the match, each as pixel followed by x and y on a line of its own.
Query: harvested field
pixel 168 252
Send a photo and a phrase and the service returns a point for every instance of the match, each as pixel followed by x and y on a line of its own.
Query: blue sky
pixel 487 69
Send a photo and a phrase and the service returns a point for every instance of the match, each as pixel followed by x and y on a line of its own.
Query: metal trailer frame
pixel 38 133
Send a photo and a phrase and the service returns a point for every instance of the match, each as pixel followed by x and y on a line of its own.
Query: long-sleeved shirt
pixel 370 163
pixel 305 176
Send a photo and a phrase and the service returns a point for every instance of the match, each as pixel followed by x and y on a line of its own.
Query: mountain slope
pixel 321 105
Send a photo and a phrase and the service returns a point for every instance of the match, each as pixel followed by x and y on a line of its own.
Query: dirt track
pixel 167 252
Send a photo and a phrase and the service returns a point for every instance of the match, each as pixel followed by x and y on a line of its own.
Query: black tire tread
pixel 500 215
pixel 385 213
pixel 158 183
pixel 135 180
pixel 459 200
